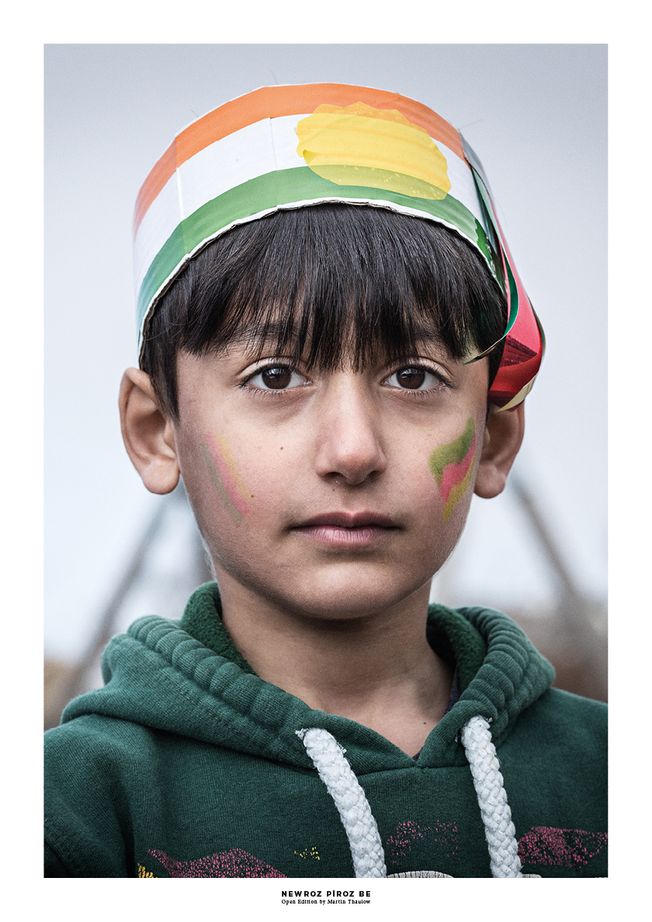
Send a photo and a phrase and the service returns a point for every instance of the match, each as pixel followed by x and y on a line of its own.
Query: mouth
pixel 346 530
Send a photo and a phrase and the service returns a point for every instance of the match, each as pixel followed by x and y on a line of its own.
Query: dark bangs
pixel 327 285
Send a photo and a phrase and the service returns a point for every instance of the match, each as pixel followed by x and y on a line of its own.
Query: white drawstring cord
pixel 362 830
pixel 492 799
pixel 351 802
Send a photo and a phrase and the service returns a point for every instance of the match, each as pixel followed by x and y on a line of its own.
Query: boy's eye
pixel 414 378
pixel 276 378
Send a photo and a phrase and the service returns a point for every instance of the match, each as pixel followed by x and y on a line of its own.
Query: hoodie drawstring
pixel 492 798
pixel 352 805
pixel 361 828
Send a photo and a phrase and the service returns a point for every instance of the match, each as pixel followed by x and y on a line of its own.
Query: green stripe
pixel 485 198
pixel 452 453
pixel 513 291
pixel 281 188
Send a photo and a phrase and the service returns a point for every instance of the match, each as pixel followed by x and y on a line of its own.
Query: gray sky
pixel 536 116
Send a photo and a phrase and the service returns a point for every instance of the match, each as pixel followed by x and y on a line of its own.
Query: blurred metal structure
pixel 64 681
pixel 573 635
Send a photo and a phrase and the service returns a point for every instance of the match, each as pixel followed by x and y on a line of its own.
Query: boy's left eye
pixel 414 378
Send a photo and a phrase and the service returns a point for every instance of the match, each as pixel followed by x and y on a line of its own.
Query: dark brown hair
pixel 327 284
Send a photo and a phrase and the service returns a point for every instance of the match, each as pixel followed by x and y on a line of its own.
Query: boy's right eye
pixel 276 378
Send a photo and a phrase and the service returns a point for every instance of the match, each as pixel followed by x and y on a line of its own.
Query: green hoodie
pixel 186 764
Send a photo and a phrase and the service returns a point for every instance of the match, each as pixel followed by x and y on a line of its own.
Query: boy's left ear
pixel 502 439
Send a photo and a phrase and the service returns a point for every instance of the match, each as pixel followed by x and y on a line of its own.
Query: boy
pixel 335 347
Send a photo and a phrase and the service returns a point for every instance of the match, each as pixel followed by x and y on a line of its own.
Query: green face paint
pixel 452 465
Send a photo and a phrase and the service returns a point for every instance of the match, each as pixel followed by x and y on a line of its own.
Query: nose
pixel 349 443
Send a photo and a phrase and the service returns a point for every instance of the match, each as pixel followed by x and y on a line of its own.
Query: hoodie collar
pixel 188 678
pixel 453 638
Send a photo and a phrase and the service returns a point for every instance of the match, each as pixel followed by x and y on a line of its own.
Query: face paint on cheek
pixel 224 477
pixel 452 467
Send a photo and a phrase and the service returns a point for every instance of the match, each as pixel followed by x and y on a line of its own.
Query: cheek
pixel 243 482
pixel 225 475
pixel 452 466
pixel 224 497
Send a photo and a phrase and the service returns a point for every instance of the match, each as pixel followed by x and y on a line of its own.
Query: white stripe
pixel 155 228
pixel 241 156
pixel 223 165
pixel 462 184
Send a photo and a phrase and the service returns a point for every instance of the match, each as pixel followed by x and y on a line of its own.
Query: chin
pixel 334 599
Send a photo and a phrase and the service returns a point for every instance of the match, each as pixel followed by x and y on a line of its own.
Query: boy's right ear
pixel 147 433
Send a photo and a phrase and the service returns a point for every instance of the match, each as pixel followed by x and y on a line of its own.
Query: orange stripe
pixel 276 101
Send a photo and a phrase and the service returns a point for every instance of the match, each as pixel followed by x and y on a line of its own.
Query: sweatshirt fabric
pixel 187 764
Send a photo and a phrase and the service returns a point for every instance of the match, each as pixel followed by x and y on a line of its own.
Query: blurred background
pixel 536 115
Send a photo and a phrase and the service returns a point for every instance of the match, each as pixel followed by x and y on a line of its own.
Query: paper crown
pixel 284 147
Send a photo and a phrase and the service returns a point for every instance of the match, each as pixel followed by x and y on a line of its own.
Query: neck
pixel 377 669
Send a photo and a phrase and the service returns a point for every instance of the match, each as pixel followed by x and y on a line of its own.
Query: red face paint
pixel 452 465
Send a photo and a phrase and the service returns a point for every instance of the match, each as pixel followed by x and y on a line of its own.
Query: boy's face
pixel 330 494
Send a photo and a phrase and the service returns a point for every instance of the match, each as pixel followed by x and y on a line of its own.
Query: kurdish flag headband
pixel 285 147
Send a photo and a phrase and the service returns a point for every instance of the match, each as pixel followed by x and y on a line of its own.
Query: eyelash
pixel 275 393
pixel 272 393
pixel 441 383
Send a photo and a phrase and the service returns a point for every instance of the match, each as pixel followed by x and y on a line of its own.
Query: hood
pixel 188 678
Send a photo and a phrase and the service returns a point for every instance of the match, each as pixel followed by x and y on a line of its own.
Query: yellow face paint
pixel 224 476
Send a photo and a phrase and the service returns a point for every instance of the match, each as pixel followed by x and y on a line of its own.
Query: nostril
pixel 352 469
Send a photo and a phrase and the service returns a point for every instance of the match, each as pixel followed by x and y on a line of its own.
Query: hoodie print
pixel 311 852
pixel 236 862
pixel 444 835
pixel 560 848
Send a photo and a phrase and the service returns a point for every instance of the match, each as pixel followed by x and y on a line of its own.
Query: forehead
pixel 255 339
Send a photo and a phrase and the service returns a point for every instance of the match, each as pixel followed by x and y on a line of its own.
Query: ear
pixel 502 440
pixel 147 433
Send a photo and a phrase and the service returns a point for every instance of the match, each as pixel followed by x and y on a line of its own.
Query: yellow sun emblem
pixel 358 145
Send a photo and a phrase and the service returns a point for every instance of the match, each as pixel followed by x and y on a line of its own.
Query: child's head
pixel 316 371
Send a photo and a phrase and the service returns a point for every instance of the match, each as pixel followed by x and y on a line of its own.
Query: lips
pixel 345 531
pixel 350 520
